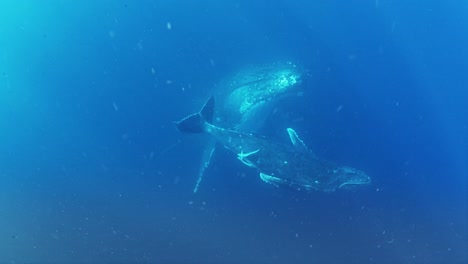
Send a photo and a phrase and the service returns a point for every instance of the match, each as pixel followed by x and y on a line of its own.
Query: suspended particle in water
pixel 140 45
pixel 116 108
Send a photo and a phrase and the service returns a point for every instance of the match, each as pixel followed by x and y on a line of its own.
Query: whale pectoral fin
pixel 246 162
pixel 271 179
pixel 245 155
pixel 297 141
pixel 243 158
pixel 206 161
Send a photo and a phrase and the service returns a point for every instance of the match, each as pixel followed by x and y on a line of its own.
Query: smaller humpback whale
pixel 292 165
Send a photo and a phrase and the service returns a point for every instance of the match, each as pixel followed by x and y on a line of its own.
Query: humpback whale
pixel 292 165
pixel 246 98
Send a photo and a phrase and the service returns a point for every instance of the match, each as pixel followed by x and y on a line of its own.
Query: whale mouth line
pixel 353 183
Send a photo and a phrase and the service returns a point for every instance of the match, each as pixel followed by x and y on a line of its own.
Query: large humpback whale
pixel 246 98
pixel 292 165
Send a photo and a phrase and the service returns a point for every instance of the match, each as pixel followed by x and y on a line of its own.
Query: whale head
pixel 350 178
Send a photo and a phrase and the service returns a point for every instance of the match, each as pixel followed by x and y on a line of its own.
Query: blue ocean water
pixel 93 170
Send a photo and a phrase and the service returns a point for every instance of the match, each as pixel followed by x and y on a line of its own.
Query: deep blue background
pixel 92 169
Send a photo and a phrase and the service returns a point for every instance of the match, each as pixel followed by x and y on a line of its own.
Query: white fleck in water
pixel 116 108
pixel 169 25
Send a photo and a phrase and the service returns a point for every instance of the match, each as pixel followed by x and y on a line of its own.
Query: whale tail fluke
pixel 196 123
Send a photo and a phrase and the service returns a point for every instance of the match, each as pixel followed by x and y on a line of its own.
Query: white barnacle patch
pixel 283 81
pixel 286 79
